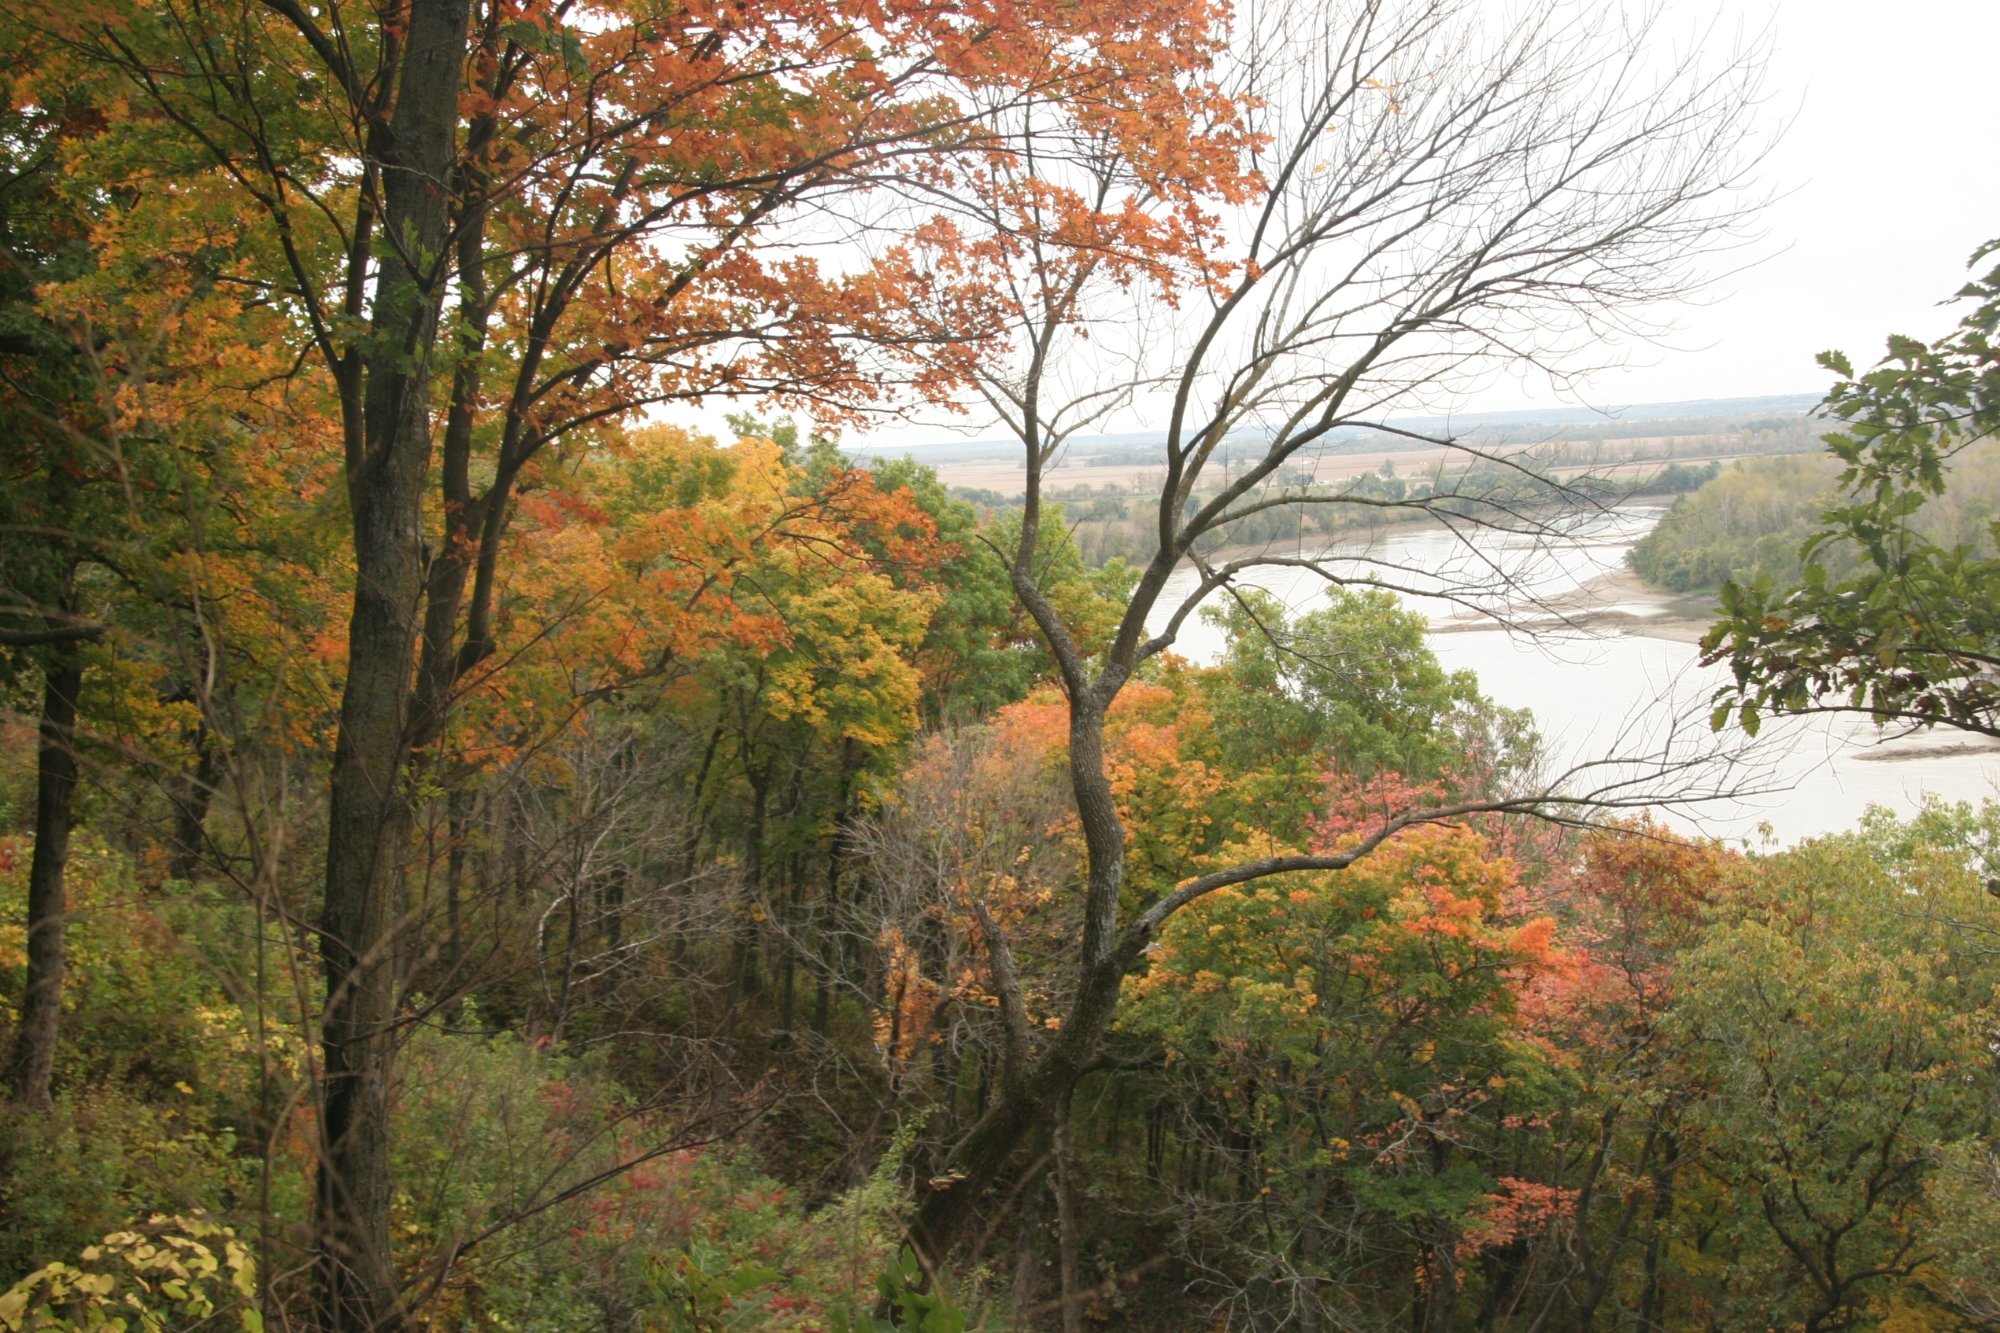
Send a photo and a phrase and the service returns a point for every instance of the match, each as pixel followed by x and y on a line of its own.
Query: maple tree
pixel 1339 1047
pixel 514 225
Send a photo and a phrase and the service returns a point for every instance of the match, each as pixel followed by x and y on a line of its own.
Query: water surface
pixel 1603 677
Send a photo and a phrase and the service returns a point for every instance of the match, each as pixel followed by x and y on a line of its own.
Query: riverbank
pixel 1608 666
pixel 1622 601
pixel 1619 603
pixel 1384 530
pixel 1615 602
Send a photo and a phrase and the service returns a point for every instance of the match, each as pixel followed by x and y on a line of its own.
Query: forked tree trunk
pixel 369 816
pixel 1027 1099
pixel 31 1066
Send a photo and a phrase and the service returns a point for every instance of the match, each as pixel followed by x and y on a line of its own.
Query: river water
pixel 1549 623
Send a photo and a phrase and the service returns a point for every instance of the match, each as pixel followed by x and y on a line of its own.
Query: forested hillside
pixel 480 851
pixel 707 985
pixel 1752 521
pixel 1748 521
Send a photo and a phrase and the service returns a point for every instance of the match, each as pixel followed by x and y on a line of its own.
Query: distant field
pixel 1616 457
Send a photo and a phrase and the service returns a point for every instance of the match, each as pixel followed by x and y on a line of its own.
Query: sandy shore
pixel 1907 750
pixel 1619 602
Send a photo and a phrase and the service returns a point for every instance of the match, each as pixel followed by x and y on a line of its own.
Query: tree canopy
pixel 482 853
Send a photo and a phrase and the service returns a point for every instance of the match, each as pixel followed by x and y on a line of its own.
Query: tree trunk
pixel 458 827
pixel 369 817
pixel 1436 1307
pixel 367 826
pixel 982 1157
pixel 1652 1299
pixel 788 929
pixel 191 794
pixel 1026 1103
pixel 743 978
pixel 1027 1260
pixel 31 1067
pixel 1066 1239
pixel 1312 1257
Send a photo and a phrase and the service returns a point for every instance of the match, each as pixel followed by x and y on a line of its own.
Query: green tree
pixel 1348 686
pixel 1745 523
pixel 123 378
pixel 978 652
pixel 1836 1019
pixel 1913 634
pixel 1338 1060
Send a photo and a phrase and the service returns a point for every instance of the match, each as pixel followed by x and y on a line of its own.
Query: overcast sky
pixel 1888 178
pixel 1892 164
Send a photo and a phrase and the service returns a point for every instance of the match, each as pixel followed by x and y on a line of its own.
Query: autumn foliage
pixel 484 851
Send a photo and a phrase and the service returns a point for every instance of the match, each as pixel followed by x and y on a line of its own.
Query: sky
pixel 1889 176
pixel 1886 177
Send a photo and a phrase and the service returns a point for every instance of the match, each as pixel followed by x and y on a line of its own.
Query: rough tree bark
pixel 31 1066
pixel 368 822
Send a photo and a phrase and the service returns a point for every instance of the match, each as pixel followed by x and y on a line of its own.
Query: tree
pixel 1342 1053
pixel 1351 687
pixel 133 380
pixel 1634 902
pixel 502 229
pixel 1910 635
pixel 42 625
pixel 1434 199
pixel 1834 1020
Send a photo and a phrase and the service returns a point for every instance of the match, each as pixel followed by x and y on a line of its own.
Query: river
pixel 1609 666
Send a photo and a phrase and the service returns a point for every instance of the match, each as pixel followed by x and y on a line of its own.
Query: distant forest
pixel 1751 520
pixel 1114 520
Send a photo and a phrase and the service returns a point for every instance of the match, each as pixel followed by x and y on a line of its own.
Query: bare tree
pixel 1449 196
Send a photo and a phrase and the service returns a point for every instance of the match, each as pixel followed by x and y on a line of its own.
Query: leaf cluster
pixel 1910 636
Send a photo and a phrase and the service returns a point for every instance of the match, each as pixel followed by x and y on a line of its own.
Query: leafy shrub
pixel 597 1224
pixel 168 1273
pixel 156 1069
pixel 100 1157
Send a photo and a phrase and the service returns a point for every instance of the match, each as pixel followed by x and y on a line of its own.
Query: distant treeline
pixel 1114 522
pixel 1750 521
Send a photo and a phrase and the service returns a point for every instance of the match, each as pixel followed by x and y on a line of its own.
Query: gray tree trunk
pixel 369 817
pixel 31 1066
